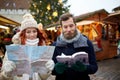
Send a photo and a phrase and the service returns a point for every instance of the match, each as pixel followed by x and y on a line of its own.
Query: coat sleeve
pixel 93 67
pixel 3 76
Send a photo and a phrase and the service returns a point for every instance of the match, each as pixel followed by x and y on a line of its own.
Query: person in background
pixel 69 42
pixel 29 35
pixel 2 44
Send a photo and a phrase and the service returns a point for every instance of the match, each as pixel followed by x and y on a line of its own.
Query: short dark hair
pixel 65 17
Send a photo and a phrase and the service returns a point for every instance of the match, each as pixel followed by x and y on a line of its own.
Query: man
pixel 69 42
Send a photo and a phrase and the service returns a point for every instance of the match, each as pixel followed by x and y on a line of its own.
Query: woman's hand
pixel 50 65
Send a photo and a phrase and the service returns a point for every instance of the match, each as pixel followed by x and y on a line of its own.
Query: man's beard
pixel 68 37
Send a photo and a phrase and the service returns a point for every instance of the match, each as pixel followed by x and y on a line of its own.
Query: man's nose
pixel 68 29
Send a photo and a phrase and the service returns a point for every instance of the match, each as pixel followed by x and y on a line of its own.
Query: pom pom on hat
pixel 28 21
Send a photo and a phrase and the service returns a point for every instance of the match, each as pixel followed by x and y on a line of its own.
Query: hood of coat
pixel 16 38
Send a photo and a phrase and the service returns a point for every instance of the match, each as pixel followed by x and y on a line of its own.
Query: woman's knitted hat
pixel 28 21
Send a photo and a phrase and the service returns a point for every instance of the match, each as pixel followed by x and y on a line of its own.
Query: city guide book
pixel 72 59
pixel 29 59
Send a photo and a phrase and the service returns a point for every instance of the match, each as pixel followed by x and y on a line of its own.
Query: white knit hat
pixel 28 21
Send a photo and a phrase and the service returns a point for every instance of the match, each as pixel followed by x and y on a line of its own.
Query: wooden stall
pixel 109 42
pixel 103 38
pixel 102 35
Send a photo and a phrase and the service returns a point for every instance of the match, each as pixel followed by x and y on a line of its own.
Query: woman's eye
pixel 34 31
pixel 27 31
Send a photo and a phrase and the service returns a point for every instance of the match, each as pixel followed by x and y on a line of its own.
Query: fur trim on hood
pixel 16 38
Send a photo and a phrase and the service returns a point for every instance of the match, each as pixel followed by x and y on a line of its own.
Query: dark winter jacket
pixel 82 44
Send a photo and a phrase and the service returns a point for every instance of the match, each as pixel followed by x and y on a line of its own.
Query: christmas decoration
pixel 48 11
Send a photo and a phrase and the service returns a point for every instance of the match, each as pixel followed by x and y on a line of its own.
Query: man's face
pixel 69 28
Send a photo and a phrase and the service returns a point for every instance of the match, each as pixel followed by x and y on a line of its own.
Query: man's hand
pixel 60 68
pixel 78 66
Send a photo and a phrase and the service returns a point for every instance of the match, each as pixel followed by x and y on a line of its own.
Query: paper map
pixel 29 59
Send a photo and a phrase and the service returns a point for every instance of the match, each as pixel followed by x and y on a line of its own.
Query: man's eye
pixel 65 26
pixel 71 25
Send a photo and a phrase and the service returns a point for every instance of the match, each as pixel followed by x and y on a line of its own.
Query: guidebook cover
pixel 29 59
pixel 72 59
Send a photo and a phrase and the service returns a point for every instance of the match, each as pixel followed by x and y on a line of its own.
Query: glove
pixel 50 65
pixel 78 66
pixel 8 67
pixel 60 68
pixel 25 77
pixel 35 77
pixel 44 73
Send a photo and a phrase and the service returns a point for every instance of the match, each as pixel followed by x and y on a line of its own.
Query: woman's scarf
pixel 32 42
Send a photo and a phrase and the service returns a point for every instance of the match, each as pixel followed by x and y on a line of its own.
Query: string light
pixel 48 7
pixel 55 14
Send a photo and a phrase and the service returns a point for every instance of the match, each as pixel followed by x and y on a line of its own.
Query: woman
pixel 28 35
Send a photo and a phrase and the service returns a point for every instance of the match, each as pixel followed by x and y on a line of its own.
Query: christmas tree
pixel 48 11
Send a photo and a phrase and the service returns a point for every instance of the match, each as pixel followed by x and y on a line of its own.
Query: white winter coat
pixel 43 75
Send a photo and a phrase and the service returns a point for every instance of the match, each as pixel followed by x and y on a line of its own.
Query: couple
pixel 69 42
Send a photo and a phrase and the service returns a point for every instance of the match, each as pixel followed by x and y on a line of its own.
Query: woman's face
pixel 31 33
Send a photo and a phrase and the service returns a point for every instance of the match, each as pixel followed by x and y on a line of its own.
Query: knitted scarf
pixel 32 42
pixel 78 41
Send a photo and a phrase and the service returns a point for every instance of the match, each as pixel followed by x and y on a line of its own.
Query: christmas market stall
pixel 113 23
pixel 91 25
pixel 8 24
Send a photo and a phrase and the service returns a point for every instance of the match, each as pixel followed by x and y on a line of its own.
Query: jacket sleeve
pixel 93 67
pixel 3 76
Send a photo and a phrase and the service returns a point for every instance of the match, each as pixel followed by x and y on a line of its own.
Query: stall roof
pixel 113 17
pixel 116 9
pixel 6 21
pixel 102 13
pixel 85 22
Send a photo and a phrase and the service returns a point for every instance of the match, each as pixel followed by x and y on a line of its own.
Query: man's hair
pixel 65 17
